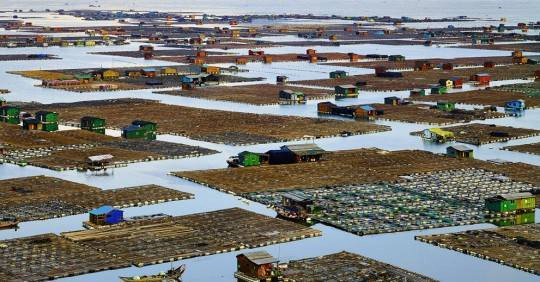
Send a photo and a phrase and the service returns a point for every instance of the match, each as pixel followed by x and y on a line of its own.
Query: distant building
pixel 93 124
pixel 516 105
pixel 346 91
pixel 338 74
pixel 438 135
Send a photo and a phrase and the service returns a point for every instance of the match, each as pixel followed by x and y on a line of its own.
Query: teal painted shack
pixel 446 106
pixel 10 114
pixel 94 124
pixel 140 129
pixel 338 74
pixel 393 100
pixel 396 58
pixel 49 120
pixel 460 152
pixel 346 91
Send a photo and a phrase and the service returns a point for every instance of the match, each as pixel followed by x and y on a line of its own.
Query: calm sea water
pixel 515 9
pixel 398 248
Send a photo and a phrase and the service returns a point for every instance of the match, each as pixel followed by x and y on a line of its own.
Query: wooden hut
pixel 297 204
pixel 460 152
pixel 423 65
pixel 481 78
pixel 338 74
pixel 282 80
pixel 396 58
pixel 457 82
pixel 346 91
pixel 31 123
pixel 289 96
pixel 255 266
pixel 393 100
pixel 305 152
pixel 325 108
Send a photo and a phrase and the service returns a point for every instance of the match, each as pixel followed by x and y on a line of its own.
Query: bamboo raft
pixel 176 238
pixel 49 256
pixel 495 245
pixel 345 266
pixel 41 197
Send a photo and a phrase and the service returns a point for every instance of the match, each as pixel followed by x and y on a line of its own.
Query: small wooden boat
pixel 8 224
pixel 173 275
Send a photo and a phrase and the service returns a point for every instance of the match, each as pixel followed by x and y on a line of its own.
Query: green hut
pixel 249 159
pixel 446 106
pixel 93 124
pixel 10 114
pixel 140 129
pixel 438 89
pixel 48 120
pixel 511 202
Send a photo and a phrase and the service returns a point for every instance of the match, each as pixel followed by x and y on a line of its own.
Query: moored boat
pixel 173 275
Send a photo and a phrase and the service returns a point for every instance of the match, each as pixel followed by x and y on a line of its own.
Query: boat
pixel 8 222
pixel 173 275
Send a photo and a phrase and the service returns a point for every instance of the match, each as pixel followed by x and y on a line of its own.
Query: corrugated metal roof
pixel 99 158
pixel 260 257
pixel 102 210
pixel 461 148
pixel 347 86
pixel 304 149
pixel 367 108
pixel 297 196
pixel 515 196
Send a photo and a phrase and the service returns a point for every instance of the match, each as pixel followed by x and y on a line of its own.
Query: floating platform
pixel 422 79
pixel 481 134
pixel 514 246
pixel 345 266
pixel 361 166
pixel 42 197
pixel 49 256
pixel 232 128
pixel 168 239
pixel 418 201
